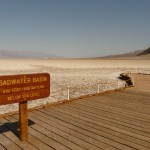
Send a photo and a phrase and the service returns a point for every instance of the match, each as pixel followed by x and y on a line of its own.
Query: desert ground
pixel 80 75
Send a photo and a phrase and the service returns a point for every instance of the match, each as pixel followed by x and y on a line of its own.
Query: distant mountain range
pixel 46 55
pixel 26 54
pixel 145 52
pixel 131 54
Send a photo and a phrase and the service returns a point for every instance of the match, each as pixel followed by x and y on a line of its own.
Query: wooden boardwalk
pixel 113 121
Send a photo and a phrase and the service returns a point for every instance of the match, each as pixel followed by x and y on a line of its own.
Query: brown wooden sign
pixel 25 87
pixel 20 89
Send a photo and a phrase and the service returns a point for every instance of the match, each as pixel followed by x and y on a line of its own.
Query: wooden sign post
pixel 20 89
pixel 23 121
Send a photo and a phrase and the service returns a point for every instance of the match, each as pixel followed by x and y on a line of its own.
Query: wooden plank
pixel 142 137
pixel 112 115
pixel 53 144
pixel 58 137
pixel 9 134
pixel 114 111
pixel 135 93
pixel 132 105
pixel 110 105
pixel 96 102
pixel 84 129
pixel 76 120
pixel 7 143
pixel 136 101
pixel 133 109
pixel 63 138
pixel 86 141
pixel 37 144
pixel 109 123
pixel 42 121
pixel 2 148
pixel 102 138
pixel 130 99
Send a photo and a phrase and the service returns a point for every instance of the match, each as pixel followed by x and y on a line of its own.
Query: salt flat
pixel 25 64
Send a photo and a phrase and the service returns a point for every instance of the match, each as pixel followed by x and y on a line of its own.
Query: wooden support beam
pixel 23 120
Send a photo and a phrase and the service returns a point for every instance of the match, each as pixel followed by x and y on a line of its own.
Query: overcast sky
pixel 75 28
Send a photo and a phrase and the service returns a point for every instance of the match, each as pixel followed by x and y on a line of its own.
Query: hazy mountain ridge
pixel 26 54
pixel 145 52
pixel 136 53
pixel 46 55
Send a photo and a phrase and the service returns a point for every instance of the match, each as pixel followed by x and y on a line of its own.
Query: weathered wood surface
pixel 114 121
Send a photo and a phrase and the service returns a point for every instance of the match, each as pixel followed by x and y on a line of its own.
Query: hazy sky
pixel 75 28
